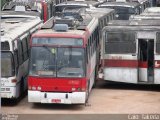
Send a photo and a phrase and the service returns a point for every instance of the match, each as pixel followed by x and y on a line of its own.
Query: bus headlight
pixel 73 89
pixel 33 88
pixel 38 88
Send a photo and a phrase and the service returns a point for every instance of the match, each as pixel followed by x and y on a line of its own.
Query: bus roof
pixel 15 26
pixel 30 13
pixel 89 16
pixel 26 7
pixel 139 1
pixel 144 17
pixel 99 12
pixel 119 4
pixel 134 23
pixel 71 31
pixel 142 25
pixel 94 12
pixel 152 11
pixel 79 3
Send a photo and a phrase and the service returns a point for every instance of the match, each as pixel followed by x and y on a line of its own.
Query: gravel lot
pixel 106 98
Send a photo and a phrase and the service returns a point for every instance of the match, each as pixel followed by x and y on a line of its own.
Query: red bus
pixel 63 60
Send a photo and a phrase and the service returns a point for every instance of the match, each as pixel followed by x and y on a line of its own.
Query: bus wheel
pixel 22 87
pixel 87 94
pixel 95 78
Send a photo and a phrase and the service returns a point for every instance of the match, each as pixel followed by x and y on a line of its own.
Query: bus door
pixel 157 61
pixel 146 60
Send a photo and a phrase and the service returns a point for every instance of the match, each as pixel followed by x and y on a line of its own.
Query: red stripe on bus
pixel 51 84
pixel 143 64
pixel 120 63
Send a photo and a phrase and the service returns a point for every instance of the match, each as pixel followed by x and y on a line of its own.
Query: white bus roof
pixel 79 3
pixel 15 26
pixel 119 4
pixel 152 11
pixel 145 17
pixel 135 25
pixel 87 23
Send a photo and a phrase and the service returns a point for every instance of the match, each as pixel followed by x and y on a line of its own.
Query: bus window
pixel 158 43
pixel 28 42
pixel 7 66
pixel 75 62
pixel 120 42
pixel 25 49
pixel 20 52
pixel 15 54
pixel 5 46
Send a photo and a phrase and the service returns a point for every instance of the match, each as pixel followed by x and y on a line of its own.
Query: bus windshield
pixel 123 13
pixel 57 62
pixel 7 67
pixel 61 8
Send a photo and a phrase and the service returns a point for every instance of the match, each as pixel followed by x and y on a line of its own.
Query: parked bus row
pixel 64 72
pixel 67 51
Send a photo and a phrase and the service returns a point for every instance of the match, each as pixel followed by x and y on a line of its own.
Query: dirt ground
pixel 106 98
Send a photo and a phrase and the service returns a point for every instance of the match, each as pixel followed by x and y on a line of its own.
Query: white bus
pixel 131 52
pixel 15 34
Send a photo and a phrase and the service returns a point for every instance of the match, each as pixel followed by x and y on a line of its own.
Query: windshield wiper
pixel 53 54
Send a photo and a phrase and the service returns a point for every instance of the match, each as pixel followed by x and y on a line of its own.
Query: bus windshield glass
pixel 58 41
pixel 123 13
pixel 120 42
pixel 57 62
pixel 7 69
pixel 63 7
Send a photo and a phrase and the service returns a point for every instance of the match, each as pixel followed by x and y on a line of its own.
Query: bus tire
pixel 95 78
pixel 87 92
pixel 22 87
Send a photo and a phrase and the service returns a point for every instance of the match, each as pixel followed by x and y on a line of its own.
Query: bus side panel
pixel 91 70
pixel 121 70
pixel 157 69
pixel 121 75
pixel 143 73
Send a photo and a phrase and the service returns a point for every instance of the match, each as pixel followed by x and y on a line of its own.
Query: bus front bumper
pixel 61 98
pixel 8 92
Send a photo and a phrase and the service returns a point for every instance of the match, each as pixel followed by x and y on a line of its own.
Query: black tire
pixel 95 78
pixel 87 92
pixel 22 87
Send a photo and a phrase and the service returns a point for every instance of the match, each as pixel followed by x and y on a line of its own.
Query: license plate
pixel 56 100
